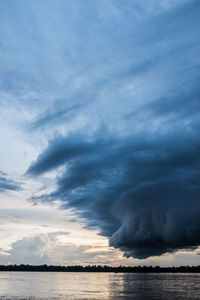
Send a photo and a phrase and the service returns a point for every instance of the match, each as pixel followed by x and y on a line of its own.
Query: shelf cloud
pixel 135 176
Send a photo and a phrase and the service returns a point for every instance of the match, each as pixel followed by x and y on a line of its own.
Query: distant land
pixel 99 268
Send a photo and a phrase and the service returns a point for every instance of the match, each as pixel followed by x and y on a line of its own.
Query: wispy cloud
pixel 8 184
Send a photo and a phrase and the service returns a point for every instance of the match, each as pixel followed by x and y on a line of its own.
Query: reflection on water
pixel 43 286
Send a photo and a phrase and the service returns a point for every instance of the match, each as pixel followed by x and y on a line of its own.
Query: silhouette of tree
pixel 99 268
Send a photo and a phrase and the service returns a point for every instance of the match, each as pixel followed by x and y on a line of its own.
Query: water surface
pixel 49 286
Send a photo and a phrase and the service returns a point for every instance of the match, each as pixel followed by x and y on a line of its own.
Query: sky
pixel 99 135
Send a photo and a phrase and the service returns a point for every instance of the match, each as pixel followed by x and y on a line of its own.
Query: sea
pixel 136 286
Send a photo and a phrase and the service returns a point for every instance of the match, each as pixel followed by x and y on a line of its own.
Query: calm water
pixel 35 286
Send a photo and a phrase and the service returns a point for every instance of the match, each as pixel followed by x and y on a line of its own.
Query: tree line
pixel 100 268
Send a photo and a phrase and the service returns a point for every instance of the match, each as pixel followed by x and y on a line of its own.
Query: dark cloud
pixel 140 191
pixel 7 184
pixel 138 182
pixel 66 149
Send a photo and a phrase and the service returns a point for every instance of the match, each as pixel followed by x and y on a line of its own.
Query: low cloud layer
pixel 51 249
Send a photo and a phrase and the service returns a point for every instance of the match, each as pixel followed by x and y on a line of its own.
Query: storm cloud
pixel 132 170
pixel 141 191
